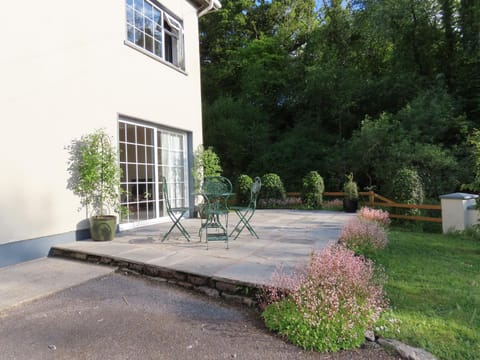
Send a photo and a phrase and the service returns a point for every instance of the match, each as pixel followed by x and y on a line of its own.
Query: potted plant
pixel 95 177
pixel 350 190
pixel 205 163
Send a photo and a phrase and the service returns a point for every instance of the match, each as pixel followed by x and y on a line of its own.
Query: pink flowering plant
pixel 335 204
pixel 379 216
pixel 288 202
pixel 329 306
pixel 363 236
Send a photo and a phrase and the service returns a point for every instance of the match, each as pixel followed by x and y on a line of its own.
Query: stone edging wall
pixel 232 291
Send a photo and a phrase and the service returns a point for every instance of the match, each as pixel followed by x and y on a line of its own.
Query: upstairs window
pixel 152 29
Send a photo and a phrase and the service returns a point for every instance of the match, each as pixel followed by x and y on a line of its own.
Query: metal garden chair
pixel 216 192
pixel 245 213
pixel 175 214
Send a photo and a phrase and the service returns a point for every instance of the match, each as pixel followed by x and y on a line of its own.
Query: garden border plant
pixel 273 192
pixel 366 232
pixel 313 187
pixel 329 306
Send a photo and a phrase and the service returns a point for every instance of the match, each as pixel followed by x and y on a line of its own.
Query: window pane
pixel 139 5
pixel 123 152
pixel 140 135
pixel 157 16
pixel 158 33
pixel 130 2
pixel 151 210
pixel 121 131
pixel 149 136
pixel 149 43
pixel 130 18
pixel 142 173
pixel 148 10
pixel 124 193
pixel 131 156
pixel 149 27
pixel 157 49
pixel 168 48
pixel 150 155
pixel 178 159
pixel 177 143
pixel 138 20
pixel 150 172
pixel 123 167
pixel 141 154
pixel 150 191
pixel 138 37
pixel 130 34
pixel 130 133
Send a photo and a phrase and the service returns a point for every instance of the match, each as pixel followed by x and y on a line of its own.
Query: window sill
pixel 150 55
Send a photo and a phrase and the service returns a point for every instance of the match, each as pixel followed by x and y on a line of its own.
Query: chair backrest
pixel 166 198
pixel 254 191
pixel 216 185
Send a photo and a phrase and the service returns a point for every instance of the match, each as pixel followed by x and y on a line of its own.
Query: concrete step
pixel 34 279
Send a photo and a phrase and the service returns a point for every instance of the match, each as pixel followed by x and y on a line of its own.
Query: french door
pixel 147 153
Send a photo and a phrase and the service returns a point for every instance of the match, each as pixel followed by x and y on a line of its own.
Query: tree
pixel 339 86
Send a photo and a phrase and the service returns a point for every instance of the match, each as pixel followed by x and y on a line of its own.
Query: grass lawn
pixel 434 290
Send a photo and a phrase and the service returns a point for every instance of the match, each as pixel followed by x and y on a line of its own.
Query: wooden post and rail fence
pixel 374 200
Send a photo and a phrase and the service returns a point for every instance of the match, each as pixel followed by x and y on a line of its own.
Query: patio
pixel 286 237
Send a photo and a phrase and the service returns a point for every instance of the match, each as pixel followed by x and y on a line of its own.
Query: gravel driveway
pixel 126 317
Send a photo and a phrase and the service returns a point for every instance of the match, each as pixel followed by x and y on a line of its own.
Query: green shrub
pixel 272 189
pixel 312 190
pixel 407 187
pixel 474 141
pixel 205 163
pixel 350 188
pixel 242 189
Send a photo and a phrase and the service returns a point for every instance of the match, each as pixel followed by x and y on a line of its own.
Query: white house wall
pixel 65 71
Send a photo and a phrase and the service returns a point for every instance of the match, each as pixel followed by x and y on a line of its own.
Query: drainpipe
pixel 213 5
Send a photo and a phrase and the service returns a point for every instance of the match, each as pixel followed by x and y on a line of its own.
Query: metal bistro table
pixel 216 192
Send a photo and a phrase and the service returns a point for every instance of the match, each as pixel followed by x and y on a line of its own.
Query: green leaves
pixel 94 172
pixel 312 190
pixel 361 85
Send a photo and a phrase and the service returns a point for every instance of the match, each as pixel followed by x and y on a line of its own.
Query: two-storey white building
pixel 70 67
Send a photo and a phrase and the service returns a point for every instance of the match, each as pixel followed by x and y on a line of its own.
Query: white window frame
pixel 160 209
pixel 132 31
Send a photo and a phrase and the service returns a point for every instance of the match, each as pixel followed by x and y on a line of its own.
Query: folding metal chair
pixel 245 213
pixel 175 214
pixel 216 191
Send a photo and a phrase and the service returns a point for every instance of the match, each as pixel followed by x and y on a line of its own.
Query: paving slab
pixel 286 238
pixel 31 280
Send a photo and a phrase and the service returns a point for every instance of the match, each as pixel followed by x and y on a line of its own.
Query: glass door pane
pixel 146 155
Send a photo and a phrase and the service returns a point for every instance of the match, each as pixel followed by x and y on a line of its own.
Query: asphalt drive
pixel 128 317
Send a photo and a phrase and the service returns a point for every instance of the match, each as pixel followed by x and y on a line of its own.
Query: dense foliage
pixel 272 188
pixel 243 187
pixel 312 190
pixel 206 163
pixel 407 187
pixel 94 173
pixel 340 86
pixel 350 187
